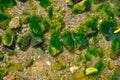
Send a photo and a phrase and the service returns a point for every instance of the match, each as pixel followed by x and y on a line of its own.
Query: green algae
pixel 7 3
pixel 4 20
pixel 94 51
pixel 45 3
pixel 115 48
pixel 82 6
pixel 38 25
pixel 24 41
pixel 99 65
pixel 55 46
pixel 80 41
pixel 8 38
pixel 67 40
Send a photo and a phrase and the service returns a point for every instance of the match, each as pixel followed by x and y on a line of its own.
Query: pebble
pixel 91 70
pixel 73 68
pixel 15 23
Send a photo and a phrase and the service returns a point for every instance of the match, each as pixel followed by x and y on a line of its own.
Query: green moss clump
pixel 67 40
pixel 24 41
pixel 8 38
pixel 82 6
pixel 45 3
pixel 38 25
pixel 55 46
pixel 50 12
pixel 4 20
pixel 7 3
pixel 80 41
pixel 107 28
pixel 99 65
pixel 56 26
pixel 25 17
pixel 94 51
pixel 89 27
pixel 1 74
pixel 115 49
pixel 88 57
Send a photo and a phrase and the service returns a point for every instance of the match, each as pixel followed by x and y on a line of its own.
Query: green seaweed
pixel 7 3
pixel 56 26
pixel 107 27
pixel 45 3
pixel 4 20
pixel 95 51
pixel 24 41
pixel 115 48
pixel 7 39
pixel 38 25
pixel 67 40
pixel 99 65
pixel 55 46
pixel 82 6
pixel 98 1
pixel 80 41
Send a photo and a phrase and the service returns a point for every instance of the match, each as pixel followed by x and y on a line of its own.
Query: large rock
pixel 15 23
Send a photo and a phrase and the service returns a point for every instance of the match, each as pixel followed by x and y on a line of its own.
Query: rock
pixel 19 67
pixel 7 38
pixel 55 46
pixel 91 70
pixel 67 40
pixel 15 23
pixel 24 41
pixel 111 65
pixel 36 40
pixel 73 69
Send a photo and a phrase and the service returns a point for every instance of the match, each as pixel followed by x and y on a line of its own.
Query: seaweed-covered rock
pixel 5 4
pixel 80 41
pixel 107 28
pixel 56 26
pixel 115 48
pixel 67 40
pixel 91 70
pixel 89 27
pixel 95 51
pixel 8 38
pixel 82 6
pixel 4 20
pixel 38 25
pixel 24 41
pixel 55 46
pixel 99 65
pixel 15 23
pixel 45 3
pixel 36 40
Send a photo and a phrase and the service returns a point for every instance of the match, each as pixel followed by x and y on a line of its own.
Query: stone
pixel 19 67
pixel 15 23
pixel 8 38
pixel 111 65
pixel 73 69
pixel 91 70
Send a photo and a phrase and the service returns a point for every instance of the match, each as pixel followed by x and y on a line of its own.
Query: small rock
pixel 73 68
pixel 111 65
pixel 91 70
pixel 15 23
pixel 48 63
pixel 19 67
